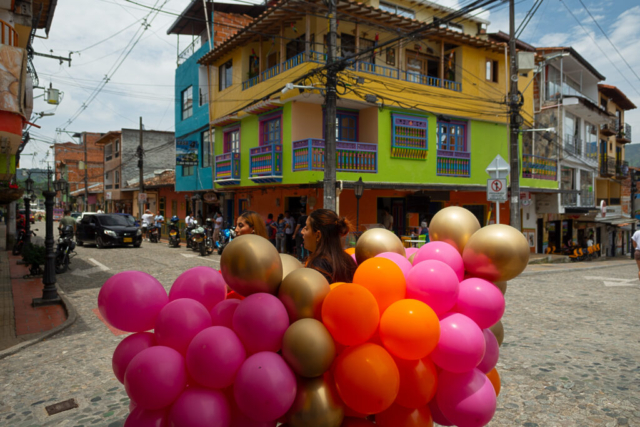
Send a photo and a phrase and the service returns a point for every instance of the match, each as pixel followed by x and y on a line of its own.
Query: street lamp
pixel 49 293
pixel 358 189
pixel 27 210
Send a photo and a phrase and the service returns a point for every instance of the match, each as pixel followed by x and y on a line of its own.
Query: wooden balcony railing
pixel 538 167
pixel 8 34
pixel 228 169
pixel 265 163
pixel 308 154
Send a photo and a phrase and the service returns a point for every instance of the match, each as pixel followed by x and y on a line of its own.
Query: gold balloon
pixel 453 225
pixel 302 293
pixel 496 253
pixel 308 348
pixel 498 331
pixel 413 255
pixel 376 241
pixel 289 264
pixel 502 286
pixel 316 404
pixel 251 264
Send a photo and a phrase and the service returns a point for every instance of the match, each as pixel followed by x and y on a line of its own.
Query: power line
pixel 110 37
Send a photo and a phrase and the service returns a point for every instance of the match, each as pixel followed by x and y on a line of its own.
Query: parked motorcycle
pixel 66 245
pixel 208 241
pixel 174 232
pixel 224 237
pixel 198 237
pixel 188 236
pixel 19 244
pixel 154 234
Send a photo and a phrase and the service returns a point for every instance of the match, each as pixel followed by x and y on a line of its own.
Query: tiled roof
pixel 163 179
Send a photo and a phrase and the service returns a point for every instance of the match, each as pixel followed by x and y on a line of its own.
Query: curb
pixel 72 315
pixel 568 270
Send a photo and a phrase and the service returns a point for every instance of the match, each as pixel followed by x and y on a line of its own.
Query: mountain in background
pixel 632 155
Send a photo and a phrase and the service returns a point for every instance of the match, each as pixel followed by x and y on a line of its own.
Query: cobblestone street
pixel 571 354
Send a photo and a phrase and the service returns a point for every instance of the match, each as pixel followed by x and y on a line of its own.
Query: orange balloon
pixel 367 378
pixel 409 329
pixel 350 251
pixel 399 416
pixel 356 422
pixel 335 285
pixel 350 313
pixel 384 279
pixel 418 382
pixel 494 377
pixel 348 412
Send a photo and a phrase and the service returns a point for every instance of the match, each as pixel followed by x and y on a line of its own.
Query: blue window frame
pixel 271 129
pixel 452 136
pixel 347 126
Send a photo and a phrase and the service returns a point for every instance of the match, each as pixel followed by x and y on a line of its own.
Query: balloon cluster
pixel 409 342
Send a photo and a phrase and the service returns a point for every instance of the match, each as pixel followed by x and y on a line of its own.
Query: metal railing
pixel 308 154
pixel 569 199
pixel 538 167
pixel 587 198
pixel 572 145
pixel 189 50
pixel 622 169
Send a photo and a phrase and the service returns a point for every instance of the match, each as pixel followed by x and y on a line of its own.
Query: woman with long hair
pixel 250 222
pixel 321 236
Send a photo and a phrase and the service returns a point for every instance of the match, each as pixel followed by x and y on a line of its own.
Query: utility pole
pixel 140 166
pixel 514 103
pixel 330 113
pixel 86 174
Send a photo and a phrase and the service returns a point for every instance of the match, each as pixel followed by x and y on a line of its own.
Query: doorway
pixel 293 205
pixel 396 206
pixel 540 237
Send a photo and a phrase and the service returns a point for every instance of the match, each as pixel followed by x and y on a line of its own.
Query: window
pixel 491 70
pixel 117 151
pixel 187 103
pixel 205 149
pixel 108 151
pixel 187 170
pixel 295 47
pixel 398 10
pixel 270 129
pixel 449 25
pixel 203 86
pixel 225 75
pixel 117 175
pixel 452 137
pixel 409 137
pixel 232 141
pixel 162 205
pixel 346 126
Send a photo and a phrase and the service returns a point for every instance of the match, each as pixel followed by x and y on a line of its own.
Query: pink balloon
pixel 265 387
pixel 260 322
pixel 203 284
pixel 480 300
pixel 410 251
pixel 240 419
pixel 353 257
pixel 155 377
pixel 461 346
pixel 214 356
pixel 467 399
pixel 132 405
pixel 437 415
pixel 128 349
pixel 147 418
pixel 399 260
pixel 131 300
pixel 180 321
pixel 492 352
pixel 434 283
pixel 199 407
pixel 441 251
pixel 222 313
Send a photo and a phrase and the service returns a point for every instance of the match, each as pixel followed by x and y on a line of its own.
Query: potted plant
pixel 34 256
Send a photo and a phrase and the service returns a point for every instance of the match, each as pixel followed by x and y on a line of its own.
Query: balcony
pixel 608 129
pixel 622 169
pixel 569 199
pixel 365 67
pixel 308 154
pixel 227 169
pixel 453 163
pixel 8 34
pixel 538 167
pixel 555 90
pixel 189 50
pixel 624 134
pixel 607 166
pixel 265 163
pixel 587 198
pixel 572 145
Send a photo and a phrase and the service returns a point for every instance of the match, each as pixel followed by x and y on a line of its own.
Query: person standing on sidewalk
pixel 635 240
pixel 288 232
pixel 147 218
pixel 301 253
pixel 217 226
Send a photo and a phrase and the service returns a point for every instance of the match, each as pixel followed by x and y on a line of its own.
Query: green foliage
pixel 632 155
pixel 34 254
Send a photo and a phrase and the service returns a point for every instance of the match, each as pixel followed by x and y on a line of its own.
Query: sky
pixel 143 85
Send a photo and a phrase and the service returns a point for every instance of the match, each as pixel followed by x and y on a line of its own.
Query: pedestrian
pixel 251 222
pixel 279 227
pixel 158 221
pixel 322 238
pixel 271 232
pixel 67 220
pixel 301 252
pixel 635 241
pixel 147 218
pixel 291 224
pixel 217 226
pixel 387 220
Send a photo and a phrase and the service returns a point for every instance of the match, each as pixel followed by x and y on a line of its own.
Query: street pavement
pixel 571 354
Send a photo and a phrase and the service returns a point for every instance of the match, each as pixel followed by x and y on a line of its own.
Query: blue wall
pixel 192 128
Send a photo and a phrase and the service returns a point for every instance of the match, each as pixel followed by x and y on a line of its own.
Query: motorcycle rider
pixel 158 220
pixel 146 223
pixel 67 220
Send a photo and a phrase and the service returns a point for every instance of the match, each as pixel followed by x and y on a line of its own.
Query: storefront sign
pixel 108 195
pixel 210 197
pixel 186 153
pixel 142 197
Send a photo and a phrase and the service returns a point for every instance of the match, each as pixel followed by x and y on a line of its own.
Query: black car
pixel 107 230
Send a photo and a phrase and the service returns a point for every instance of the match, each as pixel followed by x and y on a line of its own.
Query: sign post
pixel 498 170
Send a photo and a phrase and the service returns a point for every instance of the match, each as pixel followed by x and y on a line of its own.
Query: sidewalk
pixel 605 262
pixel 19 321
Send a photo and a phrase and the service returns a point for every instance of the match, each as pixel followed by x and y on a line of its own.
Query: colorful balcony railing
pixel 228 169
pixel 265 163
pixel 308 154
pixel 453 163
pixel 538 167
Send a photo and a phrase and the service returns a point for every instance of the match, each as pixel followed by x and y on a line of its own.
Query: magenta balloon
pixel 265 386
pixel 199 407
pixel 155 377
pixel 147 418
pixel 353 257
pixel 240 419
pixel 222 313
pixel 461 346
pixel 410 251
pixel 434 283
pixel 441 251
pixel 203 284
pixel 492 352
pixel 131 300
pixel 260 322
pixel 480 300
pixel 467 399
pixel 180 321
pixel 399 260
pixel 128 349
pixel 214 356
pixel 437 415
pixel 132 405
